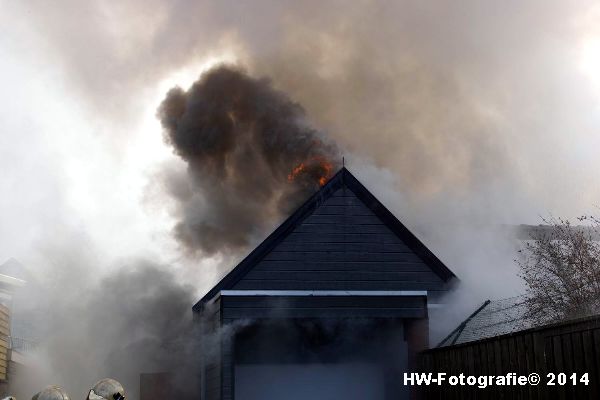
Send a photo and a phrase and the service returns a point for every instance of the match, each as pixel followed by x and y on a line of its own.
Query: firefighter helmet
pixel 51 392
pixel 107 389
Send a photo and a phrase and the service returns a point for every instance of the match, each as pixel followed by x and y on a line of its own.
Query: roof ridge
pixel 343 178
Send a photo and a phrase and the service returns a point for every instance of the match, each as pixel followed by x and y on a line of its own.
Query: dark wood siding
pixel 324 307
pixel 343 245
pixel 227 364
pixel 211 354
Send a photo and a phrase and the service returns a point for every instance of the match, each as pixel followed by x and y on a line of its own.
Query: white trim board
pixel 11 281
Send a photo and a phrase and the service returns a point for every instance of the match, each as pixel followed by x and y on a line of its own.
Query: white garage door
pixel 356 381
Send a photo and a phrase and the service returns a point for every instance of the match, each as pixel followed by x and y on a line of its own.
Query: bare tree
pixel 560 265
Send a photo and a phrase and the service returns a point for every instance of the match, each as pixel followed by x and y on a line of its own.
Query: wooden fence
pixel 564 348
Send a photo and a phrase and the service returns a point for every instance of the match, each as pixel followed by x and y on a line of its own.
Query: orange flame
pixel 320 165
pixel 327 168
pixel 296 171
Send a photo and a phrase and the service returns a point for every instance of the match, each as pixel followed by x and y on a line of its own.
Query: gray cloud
pixel 457 100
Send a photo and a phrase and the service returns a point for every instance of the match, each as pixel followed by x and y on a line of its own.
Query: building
pixel 334 302
pixel 13 345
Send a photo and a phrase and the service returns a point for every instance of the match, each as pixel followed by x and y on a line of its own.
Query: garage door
pixel 351 381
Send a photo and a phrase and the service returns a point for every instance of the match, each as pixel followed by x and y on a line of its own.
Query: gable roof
pixel 342 179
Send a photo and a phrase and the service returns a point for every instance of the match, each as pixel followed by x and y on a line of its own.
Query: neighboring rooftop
pixel 492 318
pixel 14 269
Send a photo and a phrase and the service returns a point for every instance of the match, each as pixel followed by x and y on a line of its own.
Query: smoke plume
pixel 251 153
pixel 136 320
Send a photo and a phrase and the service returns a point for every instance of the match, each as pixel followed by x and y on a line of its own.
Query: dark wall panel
pixel 240 307
pixel 211 321
pixel 343 245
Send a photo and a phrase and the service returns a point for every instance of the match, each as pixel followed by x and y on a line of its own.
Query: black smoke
pixel 135 320
pixel 251 155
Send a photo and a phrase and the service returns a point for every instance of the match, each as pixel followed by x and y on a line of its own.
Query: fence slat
pixel 591 361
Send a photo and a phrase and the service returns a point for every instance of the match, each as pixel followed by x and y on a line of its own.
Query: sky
pixel 470 114
pixel 459 116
